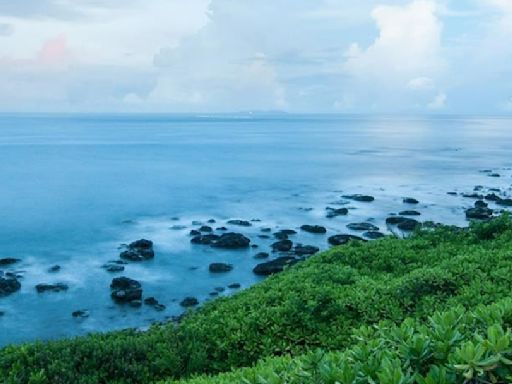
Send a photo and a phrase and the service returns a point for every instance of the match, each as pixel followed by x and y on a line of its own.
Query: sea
pixel 75 188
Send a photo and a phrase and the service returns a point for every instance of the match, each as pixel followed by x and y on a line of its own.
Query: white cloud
pixel 408 45
pixel 421 84
pixel 439 102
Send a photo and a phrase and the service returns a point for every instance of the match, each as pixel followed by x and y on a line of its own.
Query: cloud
pixel 408 45
pixel 438 102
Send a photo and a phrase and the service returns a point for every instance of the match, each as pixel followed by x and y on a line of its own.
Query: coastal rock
pixel 492 197
pixel 205 228
pixel 194 232
pixel 408 224
pixel 362 227
pixel 178 227
pixel 220 267
pixel 473 196
pixel 373 235
pixel 112 267
pixel 479 213
pixel 211 221
pixel 317 229
pixel 481 204
pixel 261 255
pixel 284 233
pixel 334 212
pixel 232 240
pixel 152 302
pixel 274 266
pixel 139 250
pixel 504 202
pixel 125 290
pixel 282 246
pixel 81 313
pixel 343 239
pixel 205 239
pixel 8 285
pixel 266 229
pixel 305 250
pixel 234 286
pixel 264 236
pixel 58 287
pixel 54 269
pixel 189 302
pixel 359 197
pixel 221 229
pixel 9 261
pixel 409 213
pixel 410 200
pixel 241 223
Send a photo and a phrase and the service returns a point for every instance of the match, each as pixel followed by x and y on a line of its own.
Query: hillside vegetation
pixel 319 304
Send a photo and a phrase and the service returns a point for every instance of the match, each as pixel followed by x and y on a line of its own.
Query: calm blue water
pixel 74 188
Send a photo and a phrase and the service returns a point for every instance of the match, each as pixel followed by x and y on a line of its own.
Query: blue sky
pixel 340 56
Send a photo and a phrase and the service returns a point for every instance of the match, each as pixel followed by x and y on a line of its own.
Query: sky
pixel 296 56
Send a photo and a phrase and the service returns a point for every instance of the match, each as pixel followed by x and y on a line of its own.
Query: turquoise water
pixel 76 187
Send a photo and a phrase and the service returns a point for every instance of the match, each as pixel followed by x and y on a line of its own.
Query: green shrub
pixel 456 346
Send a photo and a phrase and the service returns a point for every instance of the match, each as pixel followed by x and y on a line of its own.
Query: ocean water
pixel 74 188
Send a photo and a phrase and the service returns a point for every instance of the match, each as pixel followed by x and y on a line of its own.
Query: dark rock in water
pixel 504 202
pixel 266 229
pixel 110 267
pixel 473 196
pixel 242 223
pixel 362 227
pixel 220 267
pixel 410 200
pixel 280 236
pixel 81 313
pixel 196 222
pixel 8 285
pixel 408 224
pixel 495 190
pixel 58 287
pixel 214 293
pixel 261 255
pixel 394 220
pixel 274 266
pixel 205 239
pixel 494 175
pixel 264 236
pixel 234 286
pixel 189 302
pixel 150 301
pixel 492 197
pixel 9 261
pixel 343 239
pixel 221 229
pixel 479 213
pixel 409 213
pixel 135 303
pixel 254 246
pixel 194 232
pixel 373 235
pixel 232 240
pixel 314 229
pixel 481 204
pixel 139 250
pixel 452 193
pixel 178 227
pixel 211 221
pixel 2 313
pixel 304 250
pixel 125 290
pixel 359 197
pixel 478 188
pixel 334 212
pixel 282 246
pixel 53 269
pixel 205 228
